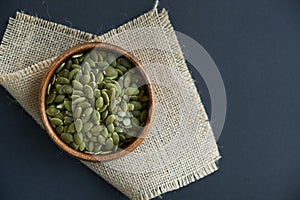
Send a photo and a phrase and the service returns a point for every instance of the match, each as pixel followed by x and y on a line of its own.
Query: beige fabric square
pixel 180 148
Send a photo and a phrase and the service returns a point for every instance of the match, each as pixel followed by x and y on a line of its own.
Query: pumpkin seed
pixel 77 55
pixel 110 72
pixel 77 85
pixel 99 103
pixel 85 79
pixel 78 125
pixel 52 111
pixel 60 68
pixel 66 137
pixel 88 91
pixel 78 138
pixel 51 97
pixel 110 119
pixel 125 63
pixel 62 80
pixel 109 145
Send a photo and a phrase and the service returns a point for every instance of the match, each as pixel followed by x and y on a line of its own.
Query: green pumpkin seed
pixel 98 147
pixel 93 77
pixel 104 114
pixel 97 93
pixel 68 89
pixel 109 144
pixel 73 73
pixel 60 106
pixel 144 98
pixel 51 97
pixel 75 66
pixel 59 116
pixel 59 98
pixel 87 112
pixel 84 105
pixel 103 109
pixel 99 103
pixel 60 68
pixel 82 146
pixel 79 100
pixel 127 81
pixel 85 79
pixel 59 129
pixel 113 105
pixel 69 64
pixel 132 91
pixel 125 63
pixel 77 85
pixel 126 122
pixel 110 72
pixel 110 119
pixel 77 55
pixel 110 58
pixel 66 137
pixel 105 97
pixel 96 117
pixel 100 57
pixel 88 91
pixel 122 137
pixel 112 93
pixel 122 68
pixel 49 88
pixel 87 127
pixel 137 105
pixel 134 98
pixel 101 139
pixel 86 68
pixel 74 145
pixel 102 64
pixel 130 107
pixel 52 111
pixel 63 80
pixel 94 139
pixel 71 128
pixel 112 77
pixel 115 138
pixel 111 127
pixel 68 120
pixel 104 132
pixel 135 121
pixel 77 112
pixel 90 147
pixel 78 125
pixel 89 135
pixel 143 116
pixel 109 86
pixel 56 121
pixel 78 138
pixel 94 56
pixel 90 61
pixel 68 105
pixel 96 129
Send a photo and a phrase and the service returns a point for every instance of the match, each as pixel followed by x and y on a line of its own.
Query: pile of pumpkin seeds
pixel 97 102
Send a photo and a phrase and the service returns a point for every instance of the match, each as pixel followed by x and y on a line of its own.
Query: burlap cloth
pixel 180 148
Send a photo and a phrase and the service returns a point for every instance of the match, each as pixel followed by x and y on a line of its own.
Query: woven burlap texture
pixel 180 148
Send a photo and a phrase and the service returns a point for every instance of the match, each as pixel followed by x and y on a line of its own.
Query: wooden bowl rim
pixel 42 96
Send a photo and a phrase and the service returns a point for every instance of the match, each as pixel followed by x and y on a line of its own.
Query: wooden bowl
pixel 42 97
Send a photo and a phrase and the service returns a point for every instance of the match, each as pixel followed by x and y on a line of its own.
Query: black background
pixel 255 44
